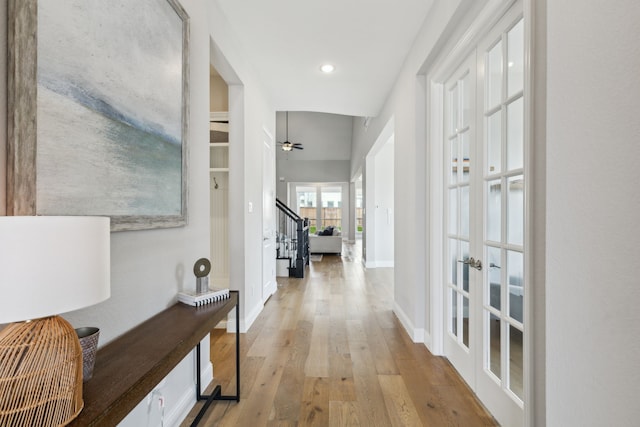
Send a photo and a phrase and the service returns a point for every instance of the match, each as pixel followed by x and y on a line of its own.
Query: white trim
pixel 436 220
pixel 378 264
pixel 182 408
pixel 271 289
pixel 529 107
pixel 270 138
pixel 219 116
pixel 185 403
pixel 416 334
pixel 246 321
pixel 384 264
pixel 485 20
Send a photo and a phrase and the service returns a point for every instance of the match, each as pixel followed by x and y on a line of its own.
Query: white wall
pixel 406 106
pixel 250 114
pixel 593 200
pixel 326 139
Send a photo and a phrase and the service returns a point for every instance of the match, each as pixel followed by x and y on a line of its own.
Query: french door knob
pixel 475 263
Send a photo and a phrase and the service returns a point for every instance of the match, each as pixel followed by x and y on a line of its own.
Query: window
pixel 321 203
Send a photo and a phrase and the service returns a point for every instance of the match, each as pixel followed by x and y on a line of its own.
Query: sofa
pixel 325 243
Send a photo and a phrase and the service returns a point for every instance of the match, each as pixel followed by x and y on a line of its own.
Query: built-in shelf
pixel 219 142
pixel 219 156
pixel 219 116
pixel 219 178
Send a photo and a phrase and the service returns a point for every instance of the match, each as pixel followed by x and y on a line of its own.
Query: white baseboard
pixel 246 322
pixel 378 264
pixel 416 334
pixel 271 289
pixel 187 400
pixel 427 341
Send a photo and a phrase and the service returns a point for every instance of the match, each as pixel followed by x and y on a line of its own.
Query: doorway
pixel 269 285
pixel 483 211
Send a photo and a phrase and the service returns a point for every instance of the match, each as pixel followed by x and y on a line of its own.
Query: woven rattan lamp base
pixel 40 373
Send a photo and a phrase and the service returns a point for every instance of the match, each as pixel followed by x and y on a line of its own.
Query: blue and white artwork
pixel 109 108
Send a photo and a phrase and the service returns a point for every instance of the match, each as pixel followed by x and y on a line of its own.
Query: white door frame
pixel 435 93
pixel 269 284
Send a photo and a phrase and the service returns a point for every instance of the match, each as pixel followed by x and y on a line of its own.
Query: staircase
pixel 292 240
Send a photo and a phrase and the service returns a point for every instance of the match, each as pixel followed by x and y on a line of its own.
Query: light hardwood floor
pixel 327 350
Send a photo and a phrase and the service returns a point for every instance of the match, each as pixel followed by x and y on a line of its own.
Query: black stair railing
pixel 292 241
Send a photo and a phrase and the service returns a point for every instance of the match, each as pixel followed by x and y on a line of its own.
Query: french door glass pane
pixel 465 88
pixel 453 327
pixel 453 262
pixel 494 276
pixel 515 264
pixel 465 321
pixel 455 162
pixel 494 210
pixel 515 59
pixel 359 207
pixel 464 246
pixel 466 161
pixel 494 143
pixel 515 361
pixel 453 211
pixel 515 210
pixel 453 122
pixel 494 344
pixel 464 211
pixel 515 134
pixel 494 76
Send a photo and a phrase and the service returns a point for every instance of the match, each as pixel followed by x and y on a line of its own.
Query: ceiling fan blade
pixel 298 147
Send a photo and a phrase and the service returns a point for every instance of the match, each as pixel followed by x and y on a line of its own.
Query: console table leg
pixel 217 392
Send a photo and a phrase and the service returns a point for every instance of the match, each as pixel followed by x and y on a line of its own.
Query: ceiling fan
pixel 286 145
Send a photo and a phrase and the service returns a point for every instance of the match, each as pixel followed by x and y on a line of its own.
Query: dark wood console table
pixel 128 368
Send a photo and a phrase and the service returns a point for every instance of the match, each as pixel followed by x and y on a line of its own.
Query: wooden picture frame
pixel 98 110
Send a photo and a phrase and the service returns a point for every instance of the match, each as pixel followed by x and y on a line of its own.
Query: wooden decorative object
pixel 40 373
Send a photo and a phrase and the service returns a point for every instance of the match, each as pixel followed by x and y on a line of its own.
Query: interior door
pixel 269 284
pixel 500 380
pixel 460 286
pixel 484 212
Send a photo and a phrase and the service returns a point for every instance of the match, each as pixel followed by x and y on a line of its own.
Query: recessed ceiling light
pixel 327 68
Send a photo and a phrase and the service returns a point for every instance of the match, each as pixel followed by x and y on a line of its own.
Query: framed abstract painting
pixel 98 110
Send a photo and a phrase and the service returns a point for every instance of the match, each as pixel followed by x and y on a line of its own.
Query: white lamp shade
pixel 51 265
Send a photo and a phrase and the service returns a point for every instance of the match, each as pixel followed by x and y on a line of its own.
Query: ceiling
pixel 288 40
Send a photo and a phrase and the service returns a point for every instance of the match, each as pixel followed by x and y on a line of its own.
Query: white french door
pixel 484 213
pixel 460 152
